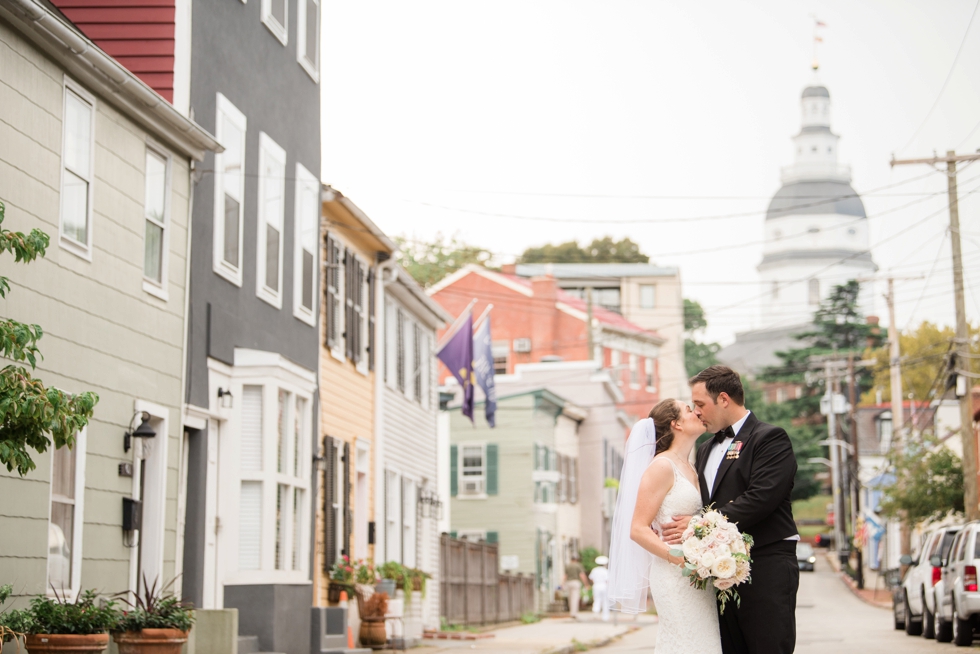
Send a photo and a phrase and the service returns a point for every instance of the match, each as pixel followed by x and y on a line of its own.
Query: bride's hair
pixel 663 414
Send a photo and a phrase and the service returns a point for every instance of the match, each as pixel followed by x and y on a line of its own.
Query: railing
pixel 472 591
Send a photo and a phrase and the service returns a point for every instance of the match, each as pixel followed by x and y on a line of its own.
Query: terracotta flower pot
pixel 372 633
pixel 150 641
pixel 75 643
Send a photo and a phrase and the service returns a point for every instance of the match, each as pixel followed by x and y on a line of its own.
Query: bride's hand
pixel 674 530
pixel 675 560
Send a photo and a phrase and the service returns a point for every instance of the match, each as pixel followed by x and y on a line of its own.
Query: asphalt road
pixel 829 620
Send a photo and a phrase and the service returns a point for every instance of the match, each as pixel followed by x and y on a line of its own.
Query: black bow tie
pixel 727 432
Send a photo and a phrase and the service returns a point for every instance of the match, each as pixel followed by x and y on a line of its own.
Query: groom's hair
pixel 720 379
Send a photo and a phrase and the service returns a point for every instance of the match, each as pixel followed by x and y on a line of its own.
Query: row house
pixel 99 161
pixel 378 409
pixel 534 320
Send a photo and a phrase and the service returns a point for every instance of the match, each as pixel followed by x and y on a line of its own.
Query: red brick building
pixel 533 320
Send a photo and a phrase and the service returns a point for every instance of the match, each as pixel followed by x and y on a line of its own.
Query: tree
pixel 697 355
pixel 33 415
pixel 600 250
pixel 928 483
pixel 923 355
pixel 428 263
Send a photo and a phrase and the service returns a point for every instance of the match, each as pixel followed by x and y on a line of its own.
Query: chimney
pixel 544 320
pixel 509 268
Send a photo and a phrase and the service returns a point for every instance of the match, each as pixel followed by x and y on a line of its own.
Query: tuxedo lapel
pixel 731 456
pixel 702 459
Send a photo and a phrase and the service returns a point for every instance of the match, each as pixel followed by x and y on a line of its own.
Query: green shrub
pixel 57 615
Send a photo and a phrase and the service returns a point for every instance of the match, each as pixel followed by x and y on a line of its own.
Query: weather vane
pixel 817 24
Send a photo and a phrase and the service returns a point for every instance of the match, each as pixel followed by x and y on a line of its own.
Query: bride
pixel 658 482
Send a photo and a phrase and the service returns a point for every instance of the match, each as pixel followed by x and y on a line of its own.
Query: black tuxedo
pixel 752 488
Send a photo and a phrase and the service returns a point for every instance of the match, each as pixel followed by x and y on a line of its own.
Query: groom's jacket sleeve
pixel 770 480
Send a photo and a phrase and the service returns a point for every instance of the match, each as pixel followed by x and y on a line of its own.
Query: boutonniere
pixel 733 450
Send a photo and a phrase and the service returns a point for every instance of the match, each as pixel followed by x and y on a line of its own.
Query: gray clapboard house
pixel 250 417
pixel 510 483
pixel 95 158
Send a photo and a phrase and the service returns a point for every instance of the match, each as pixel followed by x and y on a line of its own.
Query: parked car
pixel 822 540
pixel 959 603
pixel 923 581
pixel 805 556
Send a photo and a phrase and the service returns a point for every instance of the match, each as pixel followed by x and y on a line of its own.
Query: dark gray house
pixel 252 349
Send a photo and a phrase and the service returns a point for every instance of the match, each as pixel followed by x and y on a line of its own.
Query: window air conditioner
pixel 473 487
pixel 522 344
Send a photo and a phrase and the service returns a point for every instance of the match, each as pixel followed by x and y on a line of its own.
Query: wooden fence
pixel 472 590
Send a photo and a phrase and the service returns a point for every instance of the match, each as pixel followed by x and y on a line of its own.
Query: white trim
pixel 156 288
pixel 312 68
pixel 225 109
pixel 305 182
pixel 82 250
pixel 269 149
pixel 153 535
pixel 281 32
pixel 183 17
pixel 78 518
pixel 483 272
pixel 293 373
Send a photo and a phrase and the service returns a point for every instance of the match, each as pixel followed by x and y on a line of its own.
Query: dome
pixel 816 197
pixel 816 92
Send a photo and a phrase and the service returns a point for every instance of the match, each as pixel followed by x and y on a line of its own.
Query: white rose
pixel 723 536
pixel 704 573
pixel 707 559
pixel 690 547
pixel 724 568
pixel 724 584
pixel 712 517
pixel 722 551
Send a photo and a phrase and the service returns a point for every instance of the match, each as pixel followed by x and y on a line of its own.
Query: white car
pixel 959 604
pixel 923 581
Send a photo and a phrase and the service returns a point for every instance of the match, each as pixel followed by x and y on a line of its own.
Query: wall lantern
pixel 431 505
pixel 225 398
pixel 143 431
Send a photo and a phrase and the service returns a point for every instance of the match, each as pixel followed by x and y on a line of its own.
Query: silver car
pixel 959 603
pixel 923 581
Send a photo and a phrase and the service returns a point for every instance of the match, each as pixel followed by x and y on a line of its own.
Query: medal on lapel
pixel 733 450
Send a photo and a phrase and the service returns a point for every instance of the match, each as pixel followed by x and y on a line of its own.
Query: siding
pixel 139 34
pixel 102 331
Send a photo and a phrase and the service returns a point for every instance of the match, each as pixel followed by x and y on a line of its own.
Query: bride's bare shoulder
pixel 659 471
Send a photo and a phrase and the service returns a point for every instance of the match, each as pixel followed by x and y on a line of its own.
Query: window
pixel 393 516
pixel 608 298
pixel 501 353
pixel 275 427
pixel 544 492
pixel 307 226
pixel 275 16
pixel 573 482
pixel 334 300
pixel 155 209
pixel 473 469
pixel 272 206
pixel 308 37
pixel 65 526
pixel 416 367
pixel 356 310
pixel 634 370
pixel 229 187
pixel 649 370
pixel 391 344
pixel 400 350
pixel 814 292
pixel 77 164
pixel 648 296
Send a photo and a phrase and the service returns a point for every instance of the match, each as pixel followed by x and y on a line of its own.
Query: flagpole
pixel 455 326
pixel 486 312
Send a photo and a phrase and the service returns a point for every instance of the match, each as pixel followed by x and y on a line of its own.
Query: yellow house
pixel 355 254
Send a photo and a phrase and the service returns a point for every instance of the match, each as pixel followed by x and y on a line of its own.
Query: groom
pixel 747 472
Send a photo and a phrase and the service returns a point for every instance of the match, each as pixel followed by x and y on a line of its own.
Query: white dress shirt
pixel 718 453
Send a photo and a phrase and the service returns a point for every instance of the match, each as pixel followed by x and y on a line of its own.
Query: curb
pixel 852 586
pixel 455 635
pixel 571 648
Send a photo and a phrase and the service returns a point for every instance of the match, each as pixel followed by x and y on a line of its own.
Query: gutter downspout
pixel 380 356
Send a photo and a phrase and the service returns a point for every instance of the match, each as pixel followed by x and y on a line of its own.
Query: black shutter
pixel 330 291
pixel 358 312
pixel 347 511
pixel 329 499
pixel 371 320
pixel 348 305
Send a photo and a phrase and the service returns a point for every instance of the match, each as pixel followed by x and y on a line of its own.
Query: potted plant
pixel 157 621
pixel 55 624
pixel 7 632
pixel 341 578
pixel 417 582
pixel 372 632
pixel 392 577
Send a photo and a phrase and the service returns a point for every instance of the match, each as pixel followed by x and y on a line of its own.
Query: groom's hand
pixel 674 530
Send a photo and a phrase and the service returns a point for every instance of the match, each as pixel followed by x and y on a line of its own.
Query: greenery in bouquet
pixel 58 615
pixel 155 608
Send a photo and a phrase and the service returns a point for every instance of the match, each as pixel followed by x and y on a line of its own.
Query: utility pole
pixel 894 353
pixel 855 470
pixel 970 499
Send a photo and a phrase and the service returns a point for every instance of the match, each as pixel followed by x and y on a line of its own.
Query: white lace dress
pixel 688 617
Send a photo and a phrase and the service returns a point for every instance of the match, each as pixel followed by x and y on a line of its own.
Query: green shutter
pixel 491 537
pixel 452 534
pixel 453 482
pixel 491 469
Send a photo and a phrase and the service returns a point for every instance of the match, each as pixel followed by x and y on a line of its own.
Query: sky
pixel 514 124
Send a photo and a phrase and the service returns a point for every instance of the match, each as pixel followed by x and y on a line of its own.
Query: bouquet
pixel 715 553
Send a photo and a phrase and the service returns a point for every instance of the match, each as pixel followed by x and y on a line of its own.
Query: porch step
pixel 248 645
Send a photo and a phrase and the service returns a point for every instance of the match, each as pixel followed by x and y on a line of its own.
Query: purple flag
pixel 483 367
pixel 457 354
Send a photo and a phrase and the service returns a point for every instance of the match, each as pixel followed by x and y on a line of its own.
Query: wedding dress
pixel 688 617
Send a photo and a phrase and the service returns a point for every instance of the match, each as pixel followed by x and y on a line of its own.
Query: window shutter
pixel 491 469
pixel 329 499
pixel 453 476
pixel 452 534
pixel 350 277
pixel 330 291
pixel 359 314
pixel 573 481
pixel 400 339
pixel 371 320
pixel 347 511
pixel 492 537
